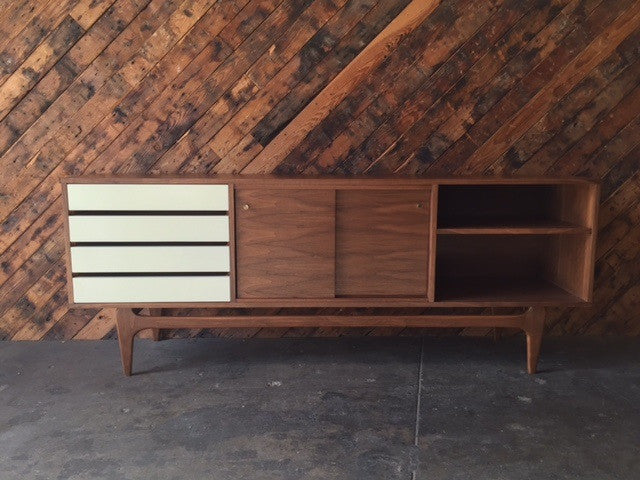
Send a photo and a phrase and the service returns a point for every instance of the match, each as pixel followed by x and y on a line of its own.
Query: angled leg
pixel 126 332
pixel 497 334
pixel 155 332
pixel 533 327
pixel 497 331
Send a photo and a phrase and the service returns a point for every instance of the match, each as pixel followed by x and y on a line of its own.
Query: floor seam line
pixel 416 432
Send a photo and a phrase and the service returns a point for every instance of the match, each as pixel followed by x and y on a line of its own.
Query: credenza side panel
pixel 285 243
pixel 572 263
pixel 382 242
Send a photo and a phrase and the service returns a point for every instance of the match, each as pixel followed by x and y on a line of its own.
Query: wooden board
pixel 382 242
pixel 285 243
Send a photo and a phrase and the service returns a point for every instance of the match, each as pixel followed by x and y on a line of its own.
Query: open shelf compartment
pixel 514 209
pixel 527 269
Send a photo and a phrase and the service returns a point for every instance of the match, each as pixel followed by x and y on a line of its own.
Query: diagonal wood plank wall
pixel 544 87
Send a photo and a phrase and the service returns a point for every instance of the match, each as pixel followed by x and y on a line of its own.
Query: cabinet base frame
pixel 129 323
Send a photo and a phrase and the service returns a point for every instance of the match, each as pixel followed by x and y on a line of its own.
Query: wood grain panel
pixel 497 87
pixel 382 242
pixel 285 243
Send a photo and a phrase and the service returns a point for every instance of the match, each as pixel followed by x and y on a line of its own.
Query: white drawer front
pixel 150 259
pixel 151 289
pixel 152 228
pixel 147 197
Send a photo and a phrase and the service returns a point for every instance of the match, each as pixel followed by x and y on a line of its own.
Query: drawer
pixel 151 289
pixel 109 259
pixel 149 228
pixel 128 197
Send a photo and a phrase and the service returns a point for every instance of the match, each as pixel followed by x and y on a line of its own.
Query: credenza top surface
pixel 332 182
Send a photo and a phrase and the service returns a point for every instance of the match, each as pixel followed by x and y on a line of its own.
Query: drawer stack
pixel 145 243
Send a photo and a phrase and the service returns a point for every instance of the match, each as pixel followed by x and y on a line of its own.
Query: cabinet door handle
pixel 246 206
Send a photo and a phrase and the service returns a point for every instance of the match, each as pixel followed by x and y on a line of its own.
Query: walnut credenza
pixel 162 243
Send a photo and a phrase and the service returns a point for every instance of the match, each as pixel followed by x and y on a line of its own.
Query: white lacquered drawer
pixel 149 228
pixel 118 259
pixel 141 289
pixel 131 197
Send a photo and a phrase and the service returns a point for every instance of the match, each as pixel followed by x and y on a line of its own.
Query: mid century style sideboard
pixel 163 243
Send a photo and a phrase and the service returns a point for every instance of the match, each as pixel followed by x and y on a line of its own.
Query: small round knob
pixel 420 205
pixel 245 206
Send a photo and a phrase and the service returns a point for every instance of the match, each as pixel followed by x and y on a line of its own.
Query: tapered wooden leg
pixel 497 331
pixel 126 333
pixel 155 332
pixel 533 327
pixel 497 334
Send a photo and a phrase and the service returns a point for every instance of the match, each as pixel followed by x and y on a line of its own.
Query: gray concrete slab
pixel 347 408
pixel 579 418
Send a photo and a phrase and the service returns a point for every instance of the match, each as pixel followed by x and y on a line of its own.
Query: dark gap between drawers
pixel 149 244
pixel 151 274
pixel 151 213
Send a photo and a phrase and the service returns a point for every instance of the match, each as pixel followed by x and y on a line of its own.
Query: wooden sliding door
pixel 382 242
pixel 285 243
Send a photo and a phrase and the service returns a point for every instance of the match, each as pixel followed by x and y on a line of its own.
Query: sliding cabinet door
pixel 382 242
pixel 285 243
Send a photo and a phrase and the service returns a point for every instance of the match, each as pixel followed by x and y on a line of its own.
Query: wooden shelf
pixel 502 290
pixel 529 228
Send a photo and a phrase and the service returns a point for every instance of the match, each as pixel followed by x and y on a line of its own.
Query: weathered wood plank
pixel 19 15
pixel 350 32
pixel 86 12
pixel 83 89
pixel 35 267
pixel 34 32
pixel 355 119
pixel 44 319
pixel 447 120
pixel 597 112
pixel 531 56
pixel 225 123
pixel 559 85
pixel 149 145
pixel 100 326
pixel 373 54
pixel 621 200
pixel 38 63
pixel 66 70
pixel 597 87
pixel 40 296
pixel 600 149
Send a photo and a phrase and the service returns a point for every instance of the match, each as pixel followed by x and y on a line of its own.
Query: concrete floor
pixel 347 408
